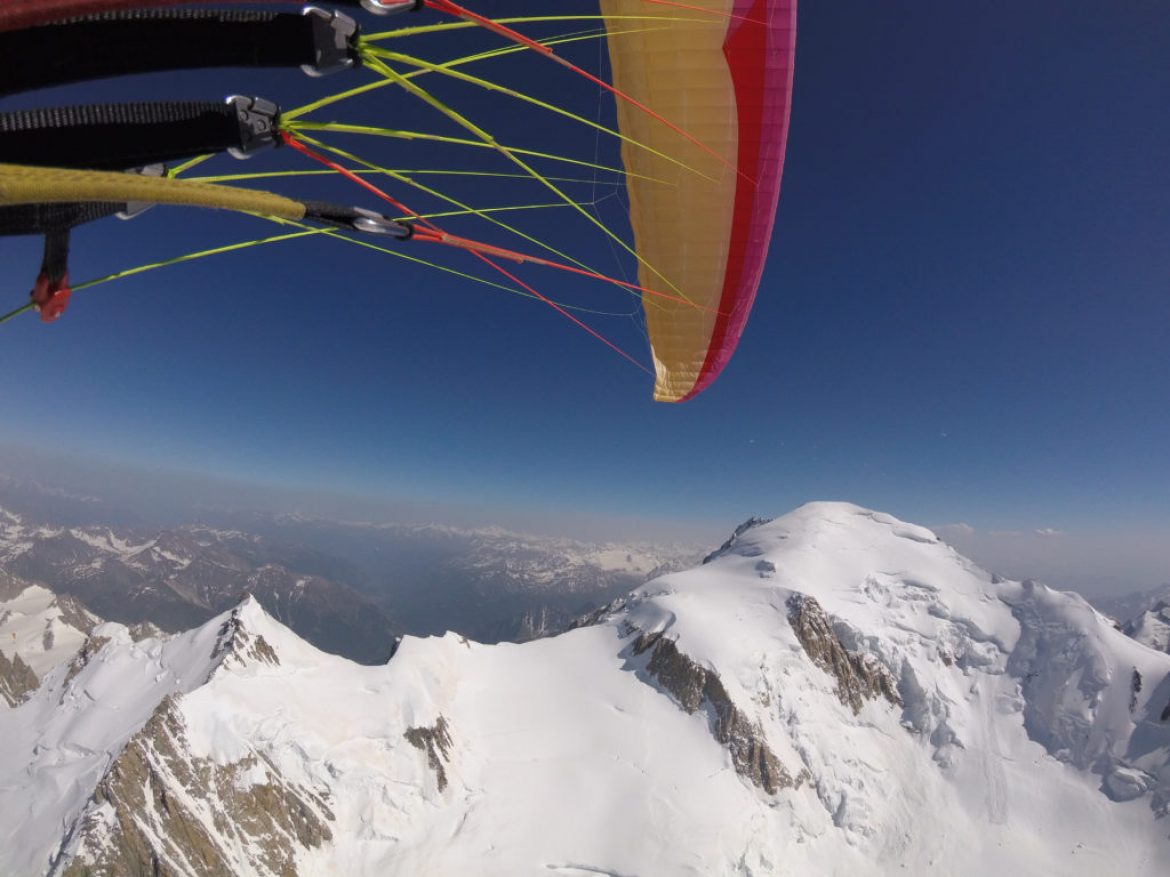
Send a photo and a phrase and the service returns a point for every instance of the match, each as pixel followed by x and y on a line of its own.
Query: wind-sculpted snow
pixel 833 692
pixel 1085 688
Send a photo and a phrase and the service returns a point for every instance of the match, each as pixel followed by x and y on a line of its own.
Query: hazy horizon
pixel 1093 562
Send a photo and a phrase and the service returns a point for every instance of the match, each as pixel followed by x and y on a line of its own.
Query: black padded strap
pixel 117 136
pixel 44 218
pixel 141 41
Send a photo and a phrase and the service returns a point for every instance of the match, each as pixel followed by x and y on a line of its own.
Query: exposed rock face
pixel 161 811
pixel 860 677
pixel 236 645
pixel 694 688
pixel 144 630
pixel 92 645
pixel 435 741
pixel 17 680
pixel 727 546
pixel 75 615
pixel 10 585
pixel 539 623
pixel 600 615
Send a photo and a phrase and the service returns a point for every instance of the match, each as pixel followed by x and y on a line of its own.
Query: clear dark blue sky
pixel 965 315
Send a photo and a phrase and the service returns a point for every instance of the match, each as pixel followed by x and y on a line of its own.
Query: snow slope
pixel 1152 628
pixel 833 692
pixel 41 627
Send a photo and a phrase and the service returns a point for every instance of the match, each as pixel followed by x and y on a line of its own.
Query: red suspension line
pixel 432 233
pixel 454 9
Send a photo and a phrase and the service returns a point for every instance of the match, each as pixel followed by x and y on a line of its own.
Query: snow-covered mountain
pixel 1127 607
pixel 1144 615
pixel 1152 627
pixel 43 627
pixel 833 692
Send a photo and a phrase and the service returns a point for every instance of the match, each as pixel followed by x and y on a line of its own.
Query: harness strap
pixel 150 40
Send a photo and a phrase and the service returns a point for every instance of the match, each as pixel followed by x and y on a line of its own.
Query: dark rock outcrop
pixel 92 645
pixel 17 680
pixel 236 645
pixel 734 537
pixel 435 741
pixel 160 811
pixel 860 677
pixel 694 688
pixel 74 614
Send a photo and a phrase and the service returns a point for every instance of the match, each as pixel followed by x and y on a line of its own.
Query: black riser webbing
pixel 117 136
pixel 55 261
pixel 149 40
pixel 43 218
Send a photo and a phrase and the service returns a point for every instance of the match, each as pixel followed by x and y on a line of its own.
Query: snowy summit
pixel 832 692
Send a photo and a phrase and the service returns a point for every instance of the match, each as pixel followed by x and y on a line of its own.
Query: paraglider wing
pixel 718 76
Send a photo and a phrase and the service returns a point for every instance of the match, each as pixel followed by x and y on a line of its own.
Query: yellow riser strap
pixel 20 184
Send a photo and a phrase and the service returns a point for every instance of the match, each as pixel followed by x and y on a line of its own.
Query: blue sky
pixel 965 315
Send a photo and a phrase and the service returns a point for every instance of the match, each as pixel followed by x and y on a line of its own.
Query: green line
pixel 398 134
pixel 338 235
pixel 190 257
pixel 454 62
pixel 11 315
pixel 507 209
pixel 466 123
pixel 485 142
pixel 453 201
pixel 305 231
pixel 521 96
pixel 418 172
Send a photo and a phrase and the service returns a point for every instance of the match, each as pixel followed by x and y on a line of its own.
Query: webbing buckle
pixel 334 42
pixel 259 123
pixel 391 7
pixel 375 223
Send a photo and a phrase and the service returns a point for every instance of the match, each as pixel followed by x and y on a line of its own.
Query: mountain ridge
pixel 349 587
pixel 833 690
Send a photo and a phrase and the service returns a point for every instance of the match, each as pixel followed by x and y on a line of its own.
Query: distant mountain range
pixel 349 588
pixel 178 578
pixel 832 692
pixel 489 584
